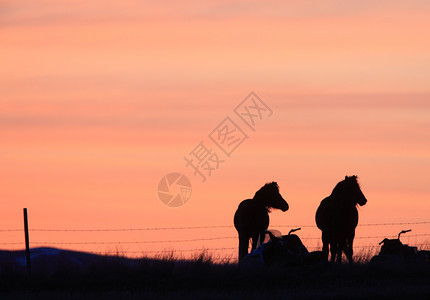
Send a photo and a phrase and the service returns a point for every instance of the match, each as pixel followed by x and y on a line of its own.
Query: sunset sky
pixel 99 100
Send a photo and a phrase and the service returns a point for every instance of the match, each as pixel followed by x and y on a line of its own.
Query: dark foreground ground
pixel 58 274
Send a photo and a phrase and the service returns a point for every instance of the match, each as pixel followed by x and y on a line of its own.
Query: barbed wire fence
pixel 422 236
pixel 197 227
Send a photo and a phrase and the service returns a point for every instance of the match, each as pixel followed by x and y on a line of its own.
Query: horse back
pixel 332 217
pixel 322 215
pixel 250 217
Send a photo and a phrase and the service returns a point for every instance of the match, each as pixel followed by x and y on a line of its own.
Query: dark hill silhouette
pixel 57 274
pixel 48 260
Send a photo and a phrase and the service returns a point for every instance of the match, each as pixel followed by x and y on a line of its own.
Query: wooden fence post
pixel 27 242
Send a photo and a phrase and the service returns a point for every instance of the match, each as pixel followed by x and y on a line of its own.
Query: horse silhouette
pixel 252 216
pixel 337 217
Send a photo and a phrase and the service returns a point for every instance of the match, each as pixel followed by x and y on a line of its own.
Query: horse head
pixel 354 190
pixel 271 198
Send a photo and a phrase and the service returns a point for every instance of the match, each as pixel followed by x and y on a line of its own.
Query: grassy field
pixel 117 277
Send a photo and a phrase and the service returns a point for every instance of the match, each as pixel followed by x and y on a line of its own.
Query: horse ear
pixel 346 177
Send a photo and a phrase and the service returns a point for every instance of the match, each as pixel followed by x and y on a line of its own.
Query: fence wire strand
pixel 181 241
pixel 197 239
pixel 193 227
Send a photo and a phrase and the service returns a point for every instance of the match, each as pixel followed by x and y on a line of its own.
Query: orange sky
pixel 98 102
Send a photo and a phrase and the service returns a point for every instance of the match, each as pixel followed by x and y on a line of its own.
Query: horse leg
pixel 348 250
pixel 325 245
pixel 243 246
pixel 262 236
pixel 348 253
pixel 341 246
pixel 255 241
pixel 333 251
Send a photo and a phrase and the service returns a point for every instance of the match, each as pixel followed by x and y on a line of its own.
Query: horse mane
pixel 267 187
pixel 338 189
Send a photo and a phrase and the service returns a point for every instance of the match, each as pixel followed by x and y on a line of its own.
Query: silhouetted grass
pixel 166 277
